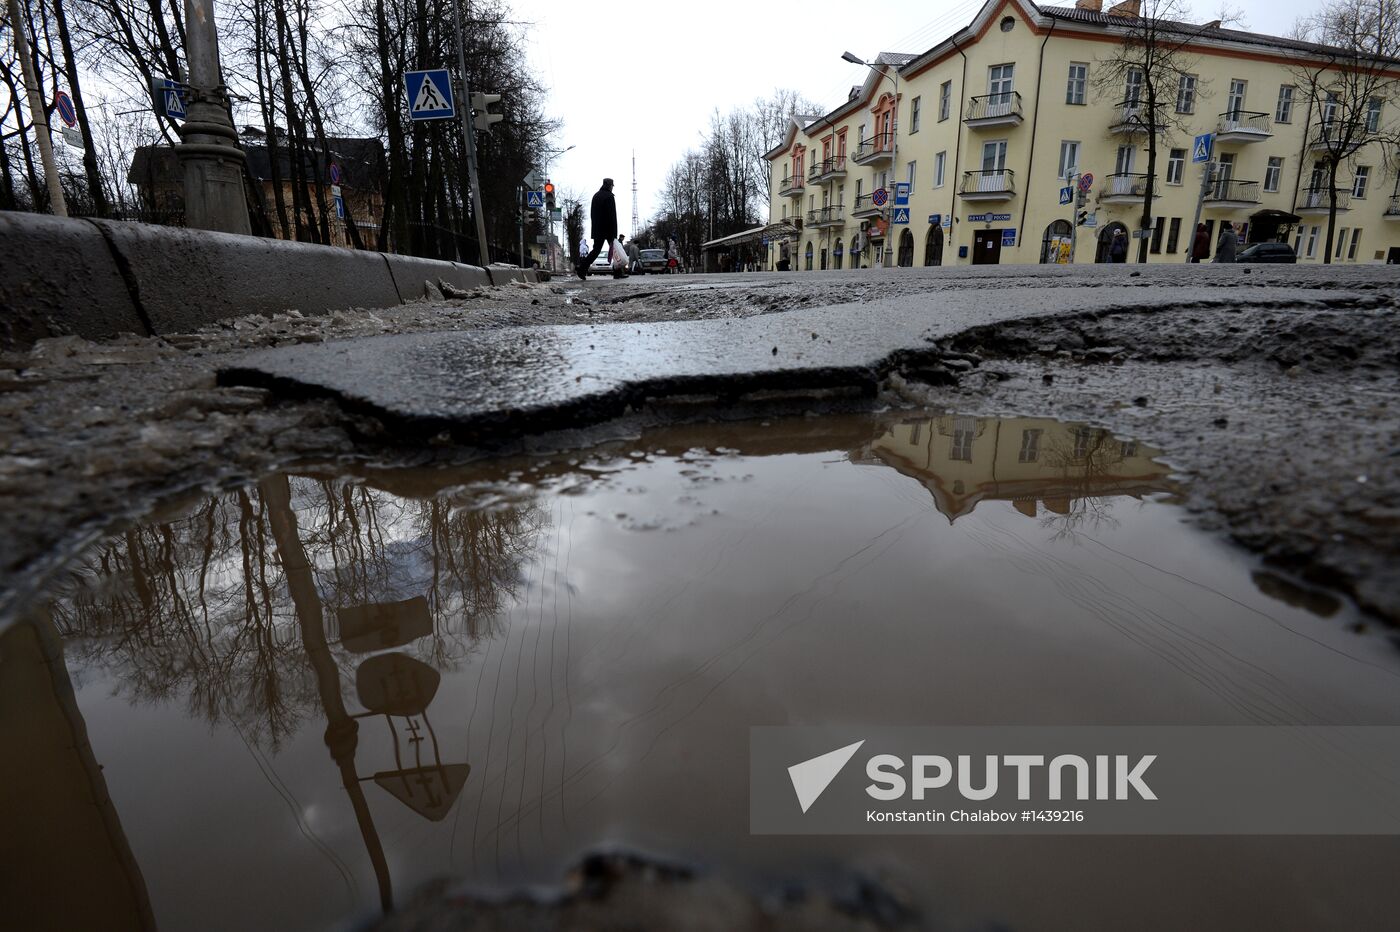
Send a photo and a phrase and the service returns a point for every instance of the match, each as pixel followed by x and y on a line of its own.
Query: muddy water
pixel 292 704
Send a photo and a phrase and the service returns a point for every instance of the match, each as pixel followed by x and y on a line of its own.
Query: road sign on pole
pixel 66 111
pixel 335 173
pixel 901 193
pixel 879 197
pixel 169 97
pixel 1200 151
pixel 534 199
pixel 534 179
pixel 901 215
pixel 429 94
pixel 1067 194
pixel 1086 181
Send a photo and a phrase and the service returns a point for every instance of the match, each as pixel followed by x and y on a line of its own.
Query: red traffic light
pixel 548 187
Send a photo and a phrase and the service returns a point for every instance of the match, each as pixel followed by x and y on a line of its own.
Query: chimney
pixel 1126 8
pixel 1094 5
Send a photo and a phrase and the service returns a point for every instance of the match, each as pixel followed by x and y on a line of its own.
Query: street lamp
pixel 893 75
pixel 549 217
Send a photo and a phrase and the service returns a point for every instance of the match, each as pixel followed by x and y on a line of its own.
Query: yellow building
pixel 989 126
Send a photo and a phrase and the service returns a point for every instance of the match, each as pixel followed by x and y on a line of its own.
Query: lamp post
pixel 210 157
pixel 549 217
pixel 893 75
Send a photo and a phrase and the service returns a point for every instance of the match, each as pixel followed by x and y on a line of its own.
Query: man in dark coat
pixel 602 213
pixel 1200 245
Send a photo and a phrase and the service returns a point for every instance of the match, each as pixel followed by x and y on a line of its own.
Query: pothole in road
pixel 332 688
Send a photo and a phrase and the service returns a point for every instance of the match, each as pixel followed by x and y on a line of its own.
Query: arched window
pixel 933 246
pixel 836 253
pixel 1055 245
pixel 906 248
pixel 809 257
pixel 1106 240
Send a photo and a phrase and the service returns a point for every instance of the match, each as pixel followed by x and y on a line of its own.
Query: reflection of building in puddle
pixel 230 607
pixel 1039 465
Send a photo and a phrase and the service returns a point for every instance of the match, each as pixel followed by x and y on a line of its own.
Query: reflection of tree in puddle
pixel 200 608
pixel 1064 473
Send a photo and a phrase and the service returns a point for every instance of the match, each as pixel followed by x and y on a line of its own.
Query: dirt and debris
pixel 1285 422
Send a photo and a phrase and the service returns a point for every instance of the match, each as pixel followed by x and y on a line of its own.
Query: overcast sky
pixel 648 77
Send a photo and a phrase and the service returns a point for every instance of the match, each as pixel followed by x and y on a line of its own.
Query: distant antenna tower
pixel 635 224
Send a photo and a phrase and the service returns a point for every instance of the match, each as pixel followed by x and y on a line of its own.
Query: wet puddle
pixel 306 698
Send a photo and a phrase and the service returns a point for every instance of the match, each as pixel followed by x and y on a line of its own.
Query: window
pixel 1158 228
pixel 1373 114
pixel 1000 79
pixel 860 134
pixel 1341 243
pixel 1312 241
pixel 1176 166
pixel 1186 94
pixel 914 108
pixel 1173 234
pixel 860 183
pixel 1283 113
pixel 1363 179
pixel 994 156
pixel 962 445
pixel 1078 82
pixel 1225 166
pixel 1030 446
pixel 1329 109
pixel 1132 91
pixel 1069 159
pixel 1236 99
pixel 1273 174
pixel 1355 241
pixel 945 100
pixel 940 168
pixel 1123 164
pixel 911 175
pixel 1298 241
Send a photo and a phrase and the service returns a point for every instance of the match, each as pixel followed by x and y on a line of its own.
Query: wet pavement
pixel 296 701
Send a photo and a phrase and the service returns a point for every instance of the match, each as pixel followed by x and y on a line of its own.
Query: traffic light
pixel 482 116
pixel 1082 216
pixel 549 196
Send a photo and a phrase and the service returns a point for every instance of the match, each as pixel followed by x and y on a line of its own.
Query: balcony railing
pixel 1125 186
pixel 790 186
pixel 1319 200
pixel 988 184
pixel 1232 191
pixel 1338 136
pixel 877 147
pixel 831 216
pixel 1130 116
pixel 994 109
pixel 827 169
pixel 1392 209
pixel 865 207
pixel 1243 126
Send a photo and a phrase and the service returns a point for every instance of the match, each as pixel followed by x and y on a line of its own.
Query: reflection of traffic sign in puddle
pixel 396 684
pixel 381 625
pixel 428 791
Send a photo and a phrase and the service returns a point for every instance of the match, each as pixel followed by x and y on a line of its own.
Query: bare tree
pixel 1347 80
pixel 1153 68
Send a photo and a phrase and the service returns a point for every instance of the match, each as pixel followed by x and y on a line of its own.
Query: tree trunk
pixel 94 177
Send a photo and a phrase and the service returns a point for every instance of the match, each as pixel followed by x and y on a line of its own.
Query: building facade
pixel 993 124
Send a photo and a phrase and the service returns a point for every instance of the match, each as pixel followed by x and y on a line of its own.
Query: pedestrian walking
pixel 673 261
pixel 634 256
pixel 602 214
pixel 1200 246
pixel 1118 247
pixel 1225 247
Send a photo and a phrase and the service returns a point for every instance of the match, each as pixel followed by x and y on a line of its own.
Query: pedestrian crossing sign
pixel 1200 152
pixel 901 215
pixel 429 94
pixel 534 199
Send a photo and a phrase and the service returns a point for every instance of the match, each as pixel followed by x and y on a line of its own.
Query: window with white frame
pixel 910 179
pixel 1355 241
pixel 1341 243
pixel 945 100
pixel 1373 114
pixel 1283 113
pixel 1298 241
pixel 1186 94
pixel 1132 90
pixel 1001 82
pixel 1312 241
pixel 1273 174
pixel 1176 165
pixel 1235 102
pixel 1069 158
pixel 914 107
pixel 1361 181
pixel 940 168
pixel 1075 92
pixel 994 156
pixel 1030 446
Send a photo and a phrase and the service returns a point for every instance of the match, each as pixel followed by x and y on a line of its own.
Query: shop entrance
pixel 986 247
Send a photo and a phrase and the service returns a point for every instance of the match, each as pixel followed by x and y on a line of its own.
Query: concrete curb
pixel 505 274
pixel 101 278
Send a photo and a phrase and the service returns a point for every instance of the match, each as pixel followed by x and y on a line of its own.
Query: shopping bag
pixel 617 256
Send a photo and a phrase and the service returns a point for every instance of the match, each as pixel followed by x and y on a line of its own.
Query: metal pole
pixel 38 117
pixel 1206 172
pixel 520 222
pixel 464 111
pixel 894 160
pixel 1074 199
pixel 209 154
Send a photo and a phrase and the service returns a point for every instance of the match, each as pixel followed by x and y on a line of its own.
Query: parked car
pixel 603 264
pixel 652 260
pixel 1266 252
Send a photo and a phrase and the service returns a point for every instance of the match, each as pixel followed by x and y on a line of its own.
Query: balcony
pixel 1243 126
pixel 1124 188
pixel 827 170
pixel 1392 209
pixel 825 217
pixel 865 208
pixel 1130 119
pixel 1336 136
pixel 791 186
pixel 994 110
pixel 876 149
pixel 1232 194
pixel 988 185
pixel 1318 201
